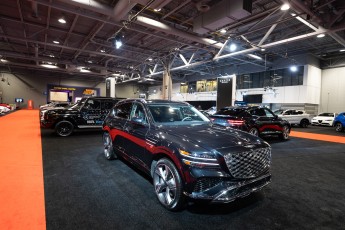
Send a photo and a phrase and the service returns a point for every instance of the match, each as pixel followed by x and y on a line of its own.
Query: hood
pixel 212 136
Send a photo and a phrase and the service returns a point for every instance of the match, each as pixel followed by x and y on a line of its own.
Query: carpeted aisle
pixel 21 172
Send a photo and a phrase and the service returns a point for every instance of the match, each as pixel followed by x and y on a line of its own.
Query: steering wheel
pixel 187 119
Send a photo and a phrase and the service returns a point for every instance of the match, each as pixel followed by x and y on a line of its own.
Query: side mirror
pixel 138 119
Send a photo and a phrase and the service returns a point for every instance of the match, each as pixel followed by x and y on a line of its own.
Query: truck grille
pixel 248 164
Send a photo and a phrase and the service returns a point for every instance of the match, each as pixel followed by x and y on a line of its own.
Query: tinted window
pixel 107 104
pixel 229 112
pixel 93 104
pixel 138 113
pixel 268 113
pixel 258 112
pixel 123 110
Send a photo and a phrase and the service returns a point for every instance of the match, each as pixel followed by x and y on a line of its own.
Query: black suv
pixel 184 153
pixel 87 113
pixel 258 121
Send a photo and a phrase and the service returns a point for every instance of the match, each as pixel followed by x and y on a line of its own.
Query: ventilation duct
pixel 222 14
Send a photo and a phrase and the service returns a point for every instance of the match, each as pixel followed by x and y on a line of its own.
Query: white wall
pixel 309 92
pixel 333 90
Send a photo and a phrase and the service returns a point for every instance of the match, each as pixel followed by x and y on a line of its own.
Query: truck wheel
pixel 304 123
pixel 64 128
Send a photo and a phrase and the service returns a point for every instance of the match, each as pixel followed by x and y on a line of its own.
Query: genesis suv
pixel 256 120
pixel 185 154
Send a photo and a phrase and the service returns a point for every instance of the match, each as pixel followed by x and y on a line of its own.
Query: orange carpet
pixel 319 137
pixel 21 172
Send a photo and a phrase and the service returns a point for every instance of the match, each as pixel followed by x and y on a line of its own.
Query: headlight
pixel 199 159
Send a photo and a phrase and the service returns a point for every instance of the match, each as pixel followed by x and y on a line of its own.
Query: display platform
pixel 83 190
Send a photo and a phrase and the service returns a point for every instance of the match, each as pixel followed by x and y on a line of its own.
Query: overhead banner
pixel 226 87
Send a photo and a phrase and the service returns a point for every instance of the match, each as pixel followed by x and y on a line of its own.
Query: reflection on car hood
pixel 213 136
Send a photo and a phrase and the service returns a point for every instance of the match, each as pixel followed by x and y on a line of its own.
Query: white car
pixel 4 109
pixel 295 117
pixel 324 119
pixel 211 110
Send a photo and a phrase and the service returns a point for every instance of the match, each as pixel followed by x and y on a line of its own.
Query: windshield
pixel 326 115
pixel 229 112
pixel 176 114
pixel 79 104
pixel 278 112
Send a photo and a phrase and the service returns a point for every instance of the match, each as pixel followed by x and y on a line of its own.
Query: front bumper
pixel 326 123
pixel 228 190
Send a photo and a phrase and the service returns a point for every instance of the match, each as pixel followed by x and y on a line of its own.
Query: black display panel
pixel 253 98
pixel 224 92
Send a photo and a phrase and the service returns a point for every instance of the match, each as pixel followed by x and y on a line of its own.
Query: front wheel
pixel 285 133
pixel 168 185
pixel 64 128
pixel 108 147
pixel 339 127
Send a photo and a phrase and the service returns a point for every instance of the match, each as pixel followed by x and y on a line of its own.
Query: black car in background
pixel 186 155
pixel 258 121
pixel 87 113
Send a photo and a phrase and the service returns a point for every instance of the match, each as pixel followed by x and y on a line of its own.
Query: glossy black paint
pixel 244 118
pixel 144 143
pixel 81 115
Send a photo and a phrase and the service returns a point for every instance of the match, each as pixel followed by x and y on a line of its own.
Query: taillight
pixel 235 122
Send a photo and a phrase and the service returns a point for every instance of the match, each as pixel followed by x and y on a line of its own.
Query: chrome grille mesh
pixel 248 164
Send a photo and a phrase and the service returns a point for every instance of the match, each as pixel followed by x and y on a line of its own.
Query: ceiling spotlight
pixel 157 10
pixel 89 61
pixel 51 55
pixel 102 50
pixel 342 50
pixel 255 56
pixel 293 14
pixel 56 42
pixel 84 70
pixel 150 59
pixel 223 31
pixel 263 49
pixel 62 20
pixel 233 47
pixel 293 68
pixel 49 65
pixel 320 35
pixel 285 7
pixel 3 60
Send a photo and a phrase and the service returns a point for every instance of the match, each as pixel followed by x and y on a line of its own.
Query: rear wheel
pixel 254 131
pixel 285 133
pixel 304 123
pixel 108 147
pixel 64 128
pixel 339 127
pixel 168 185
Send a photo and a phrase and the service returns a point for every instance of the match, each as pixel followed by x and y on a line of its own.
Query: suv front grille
pixel 248 164
pixel 206 183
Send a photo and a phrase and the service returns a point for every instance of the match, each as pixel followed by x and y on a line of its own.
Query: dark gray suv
pixel 185 154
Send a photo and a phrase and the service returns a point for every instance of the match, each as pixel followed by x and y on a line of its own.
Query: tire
pixel 108 147
pixel 64 128
pixel 285 133
pixel 167 183
pixel 304 123
pixel 339 127
pixel 254 131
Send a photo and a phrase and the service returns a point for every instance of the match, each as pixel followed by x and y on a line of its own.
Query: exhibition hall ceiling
pixel 136 40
